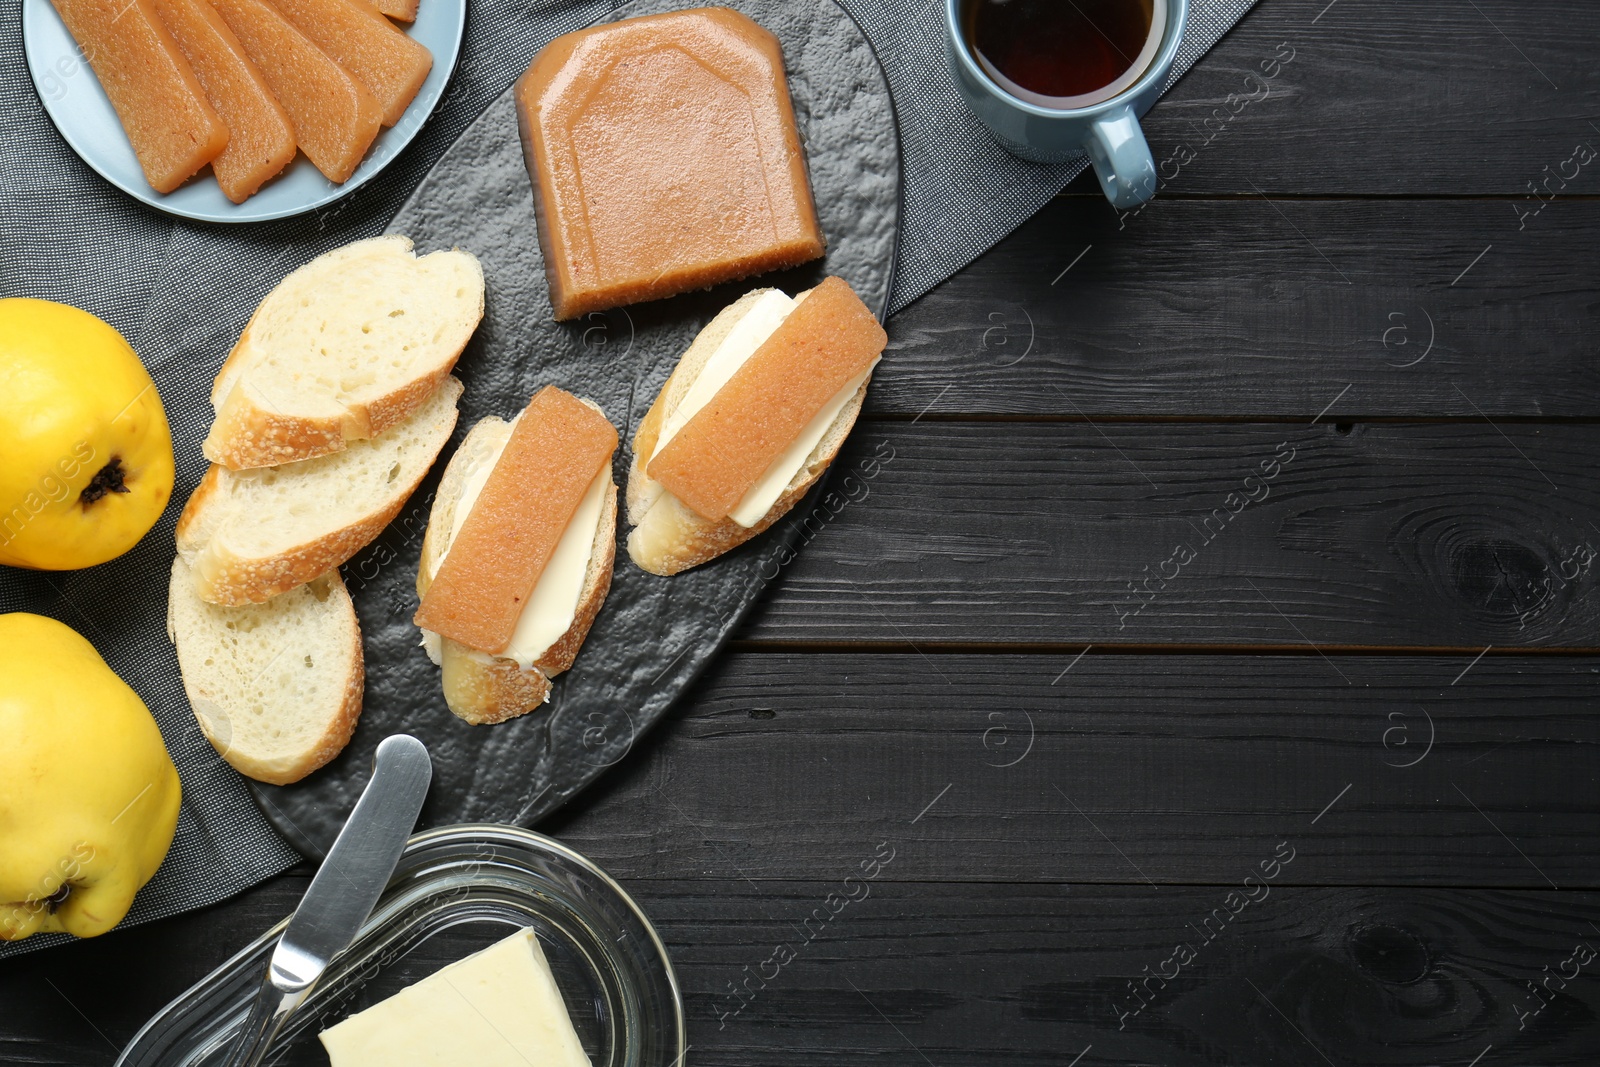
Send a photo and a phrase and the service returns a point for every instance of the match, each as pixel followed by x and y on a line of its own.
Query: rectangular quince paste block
pixel 664 158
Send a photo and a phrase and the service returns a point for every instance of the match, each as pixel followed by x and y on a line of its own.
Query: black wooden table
pixel 1206 660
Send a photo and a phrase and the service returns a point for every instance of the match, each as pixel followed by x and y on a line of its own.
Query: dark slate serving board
pixel 654 635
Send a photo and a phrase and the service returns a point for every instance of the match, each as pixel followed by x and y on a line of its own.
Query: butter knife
pixel 342 893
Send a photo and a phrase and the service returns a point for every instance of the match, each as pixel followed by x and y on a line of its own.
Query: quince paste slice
pixel 260 136
pixel 555 452
pixel 172 127
pixel 335 117
pixel 391 65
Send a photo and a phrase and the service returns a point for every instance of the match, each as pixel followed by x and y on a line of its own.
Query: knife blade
pixel 343 891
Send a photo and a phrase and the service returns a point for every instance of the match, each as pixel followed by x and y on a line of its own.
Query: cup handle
pixel 1121 158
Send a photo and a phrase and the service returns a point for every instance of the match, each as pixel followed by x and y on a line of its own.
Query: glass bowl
pixel 456 890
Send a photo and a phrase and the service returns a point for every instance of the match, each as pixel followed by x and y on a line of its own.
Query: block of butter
pixel 497 1008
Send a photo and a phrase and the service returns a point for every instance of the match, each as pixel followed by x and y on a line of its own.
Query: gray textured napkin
pixel 181 292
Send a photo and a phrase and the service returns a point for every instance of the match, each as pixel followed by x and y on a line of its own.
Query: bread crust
pixel 247 432
pixel 481 688
pixel 244 435
pixel 209 707
pixel 668 537
pixel 485 690
pixel 224 577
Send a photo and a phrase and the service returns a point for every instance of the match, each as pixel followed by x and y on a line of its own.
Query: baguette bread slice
pixel 667 536
pixel 342 349
pixel 482 688
pixel 253 534
pixel 276 687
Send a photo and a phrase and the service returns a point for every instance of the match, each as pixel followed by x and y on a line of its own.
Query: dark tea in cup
pixel 1064 54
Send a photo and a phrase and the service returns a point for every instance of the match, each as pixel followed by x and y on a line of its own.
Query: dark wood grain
pixel 1115 768
pixel 916 972
pixel 1246 307
pixel 1036 438
pixel 926 973
pixel 1386 97
pixel 1459 534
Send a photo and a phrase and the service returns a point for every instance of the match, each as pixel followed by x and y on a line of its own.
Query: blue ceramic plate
pixel 80 110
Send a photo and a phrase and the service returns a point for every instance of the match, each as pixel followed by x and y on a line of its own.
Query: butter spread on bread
pixel 515 524
pixel 825 345
pixel 750 418
pixel 553 604
pixel 513 502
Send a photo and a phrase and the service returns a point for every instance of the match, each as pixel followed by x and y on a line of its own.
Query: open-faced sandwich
pixel 754 413
pixel 517 558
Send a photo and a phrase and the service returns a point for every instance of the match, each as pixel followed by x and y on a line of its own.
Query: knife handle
pixel 270 1008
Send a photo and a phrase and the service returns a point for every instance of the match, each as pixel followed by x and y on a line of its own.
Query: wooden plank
pixel 1395 97
pixel 1114 768
pixel 1243 307
pixel 963 974
pixel 927 973
pixel 1452 534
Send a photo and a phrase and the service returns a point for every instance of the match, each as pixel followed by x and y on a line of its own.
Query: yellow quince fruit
pixel 88 795
pixel 88 453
